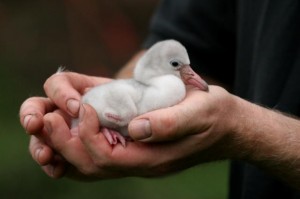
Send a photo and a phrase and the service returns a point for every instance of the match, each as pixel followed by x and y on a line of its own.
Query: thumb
pixel 161 125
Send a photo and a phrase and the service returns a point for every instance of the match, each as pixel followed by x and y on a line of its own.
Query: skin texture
pixel 204 127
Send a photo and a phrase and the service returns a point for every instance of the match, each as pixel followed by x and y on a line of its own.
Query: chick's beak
pixel 189 77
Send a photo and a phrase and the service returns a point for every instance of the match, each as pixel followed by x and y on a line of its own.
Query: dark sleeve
pixel 205 27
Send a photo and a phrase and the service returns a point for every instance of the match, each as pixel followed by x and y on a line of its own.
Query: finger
pixel 65 116
pixel 64 143
pixel 57 168
pixel 169 123
pixel 65 89
pixel 111 159
pixel 57 131
pixel 156 126
pixel 118 161
pixel 97 145
pixel 39 151
pixel 88 129
pixel 32 111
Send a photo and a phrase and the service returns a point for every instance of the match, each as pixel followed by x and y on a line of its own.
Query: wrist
pixel 229 126
pixel 220 125
pixel 232 121
pixel 259 134
pixel 242 118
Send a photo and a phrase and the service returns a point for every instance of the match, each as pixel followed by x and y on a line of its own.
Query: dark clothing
pixel 253 46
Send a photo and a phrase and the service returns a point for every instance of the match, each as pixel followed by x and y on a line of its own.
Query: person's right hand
pixel 64 92
pixel 65 89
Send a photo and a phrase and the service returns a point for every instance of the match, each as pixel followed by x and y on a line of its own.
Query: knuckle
pixel 105 160
pixel 55 92
pixel 53 80
pixel 168 122
pixel 28 103
pixel 88 169
pixel 31 151
pixel 102 162
pixel 60 93
pixel 48 82
pixel 168 126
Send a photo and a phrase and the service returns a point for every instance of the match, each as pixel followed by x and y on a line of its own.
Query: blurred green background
pixel 88 36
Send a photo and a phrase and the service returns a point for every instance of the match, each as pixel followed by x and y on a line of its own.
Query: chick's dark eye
pixel 174 63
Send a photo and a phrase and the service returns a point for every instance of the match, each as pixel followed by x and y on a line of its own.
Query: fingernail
pixel 81 113
pixel 50 169
pixel 140 129
pixel 27 119
pixel 37 154
pixel 73 106
pixel 48 127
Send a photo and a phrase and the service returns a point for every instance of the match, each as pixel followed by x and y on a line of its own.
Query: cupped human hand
pixel 194 131
pixel 64 90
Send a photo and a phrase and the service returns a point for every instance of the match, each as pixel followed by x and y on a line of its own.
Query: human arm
pixel 235 129
pixel 226 127
pixel 211 46
pixel 204 127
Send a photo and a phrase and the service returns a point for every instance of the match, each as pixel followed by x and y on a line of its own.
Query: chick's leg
pixel 113 137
